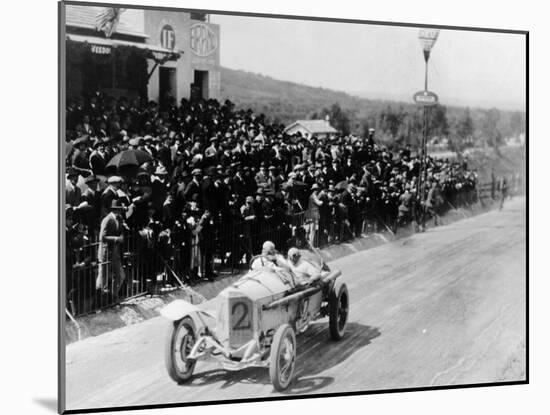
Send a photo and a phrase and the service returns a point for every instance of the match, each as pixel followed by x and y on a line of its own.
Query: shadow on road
pixel 316 353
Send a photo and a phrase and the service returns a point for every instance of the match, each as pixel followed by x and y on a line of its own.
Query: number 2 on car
pixel 240 316
pixel 240 320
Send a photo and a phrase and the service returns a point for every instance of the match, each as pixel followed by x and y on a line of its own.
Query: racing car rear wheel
pixel 282 358
pixel 180 341
pixel 338 310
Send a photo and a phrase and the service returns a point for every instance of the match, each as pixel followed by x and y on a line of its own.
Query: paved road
pixel 439 308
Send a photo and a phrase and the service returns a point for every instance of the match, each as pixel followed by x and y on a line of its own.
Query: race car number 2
pixel 239 315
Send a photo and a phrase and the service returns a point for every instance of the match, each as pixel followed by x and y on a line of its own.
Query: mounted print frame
pixel 262 207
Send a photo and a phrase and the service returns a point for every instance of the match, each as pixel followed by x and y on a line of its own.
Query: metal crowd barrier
pixel 153 264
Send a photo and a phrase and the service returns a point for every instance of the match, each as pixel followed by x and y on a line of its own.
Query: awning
pixel 103 46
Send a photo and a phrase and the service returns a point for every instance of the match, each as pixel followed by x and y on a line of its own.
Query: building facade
pixel 151 54
pixel 313 128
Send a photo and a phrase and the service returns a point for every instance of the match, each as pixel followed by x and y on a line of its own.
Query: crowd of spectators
pixel 221 180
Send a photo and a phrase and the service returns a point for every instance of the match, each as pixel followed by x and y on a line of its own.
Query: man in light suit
pixel 111 239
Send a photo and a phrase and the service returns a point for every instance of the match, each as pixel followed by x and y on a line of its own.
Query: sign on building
pixel 168 37
pixel 203 39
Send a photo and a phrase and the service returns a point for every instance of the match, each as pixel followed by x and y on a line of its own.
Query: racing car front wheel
pixel 338 310
pixel 282 358
pixel 180 341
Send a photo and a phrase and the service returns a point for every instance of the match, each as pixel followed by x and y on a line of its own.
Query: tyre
pixel 180 341
pixel 282 357
pixel 338 310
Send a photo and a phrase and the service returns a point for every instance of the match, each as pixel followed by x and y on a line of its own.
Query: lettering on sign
pixel 425 98
pixel 101 50
pixel 168 37
pixel 203 39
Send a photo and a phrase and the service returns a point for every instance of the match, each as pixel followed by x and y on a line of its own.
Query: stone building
pixel 151 54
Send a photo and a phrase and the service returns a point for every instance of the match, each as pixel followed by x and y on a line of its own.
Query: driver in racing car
pixel 304 270
pixel 269 257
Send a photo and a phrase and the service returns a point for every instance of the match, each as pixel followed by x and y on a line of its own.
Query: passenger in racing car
pixel 304 270
pixel 269 258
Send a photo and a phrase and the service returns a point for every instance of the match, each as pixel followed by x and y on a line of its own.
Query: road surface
pixel 440 308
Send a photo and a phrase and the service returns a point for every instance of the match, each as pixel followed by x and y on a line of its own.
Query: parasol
pixel 128 158
pixel 341 185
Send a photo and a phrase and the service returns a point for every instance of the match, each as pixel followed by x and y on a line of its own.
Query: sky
pixel 466 68
pixel 476 69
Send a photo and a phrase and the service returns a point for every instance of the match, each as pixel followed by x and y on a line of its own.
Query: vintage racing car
pixel 254 322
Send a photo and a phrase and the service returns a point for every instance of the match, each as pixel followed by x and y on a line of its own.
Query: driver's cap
pixel 294 253
pixel 268 246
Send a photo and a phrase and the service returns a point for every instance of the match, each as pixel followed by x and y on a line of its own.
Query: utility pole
pixel 425 98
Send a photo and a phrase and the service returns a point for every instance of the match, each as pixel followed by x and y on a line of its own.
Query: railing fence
pixel 150 264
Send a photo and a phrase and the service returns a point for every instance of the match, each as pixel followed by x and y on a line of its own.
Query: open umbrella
pixel 129 158
pixel 81 140
pixel 341 185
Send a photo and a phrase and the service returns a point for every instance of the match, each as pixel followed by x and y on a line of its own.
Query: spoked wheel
pixel 338 311
pixel 180 341
pixel 282 358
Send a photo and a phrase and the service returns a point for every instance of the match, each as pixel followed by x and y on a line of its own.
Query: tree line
pixel 395 122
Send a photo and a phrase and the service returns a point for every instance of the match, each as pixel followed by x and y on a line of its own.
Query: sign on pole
pixel 425 98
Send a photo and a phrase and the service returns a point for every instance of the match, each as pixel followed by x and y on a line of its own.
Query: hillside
pixel 286 102
pixel 282 100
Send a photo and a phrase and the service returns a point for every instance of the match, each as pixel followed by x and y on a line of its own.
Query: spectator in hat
pixel 150 146
pixel 182 238
pixel 433 202
pixel 193 188
pixel 110 274
pixel 209 198
pixel 261 176
pixel 80 159
pixel 211 152
pixel 503 187
pixel 159 187
pixel 249 218
pixel 314 204
pixel 225 156
pixel 239 185
pixel 164 154
pixel 274 179
pixel 91 210
pixel 308 176
pixel 260 204
pixel 85 127
pixel 250 183
pixel 98 158
pixel 141 194
pixel 110 193
pixel 185 156
pixel 197 155
pixel 222 191
pixel 73 194
pixel 205 230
